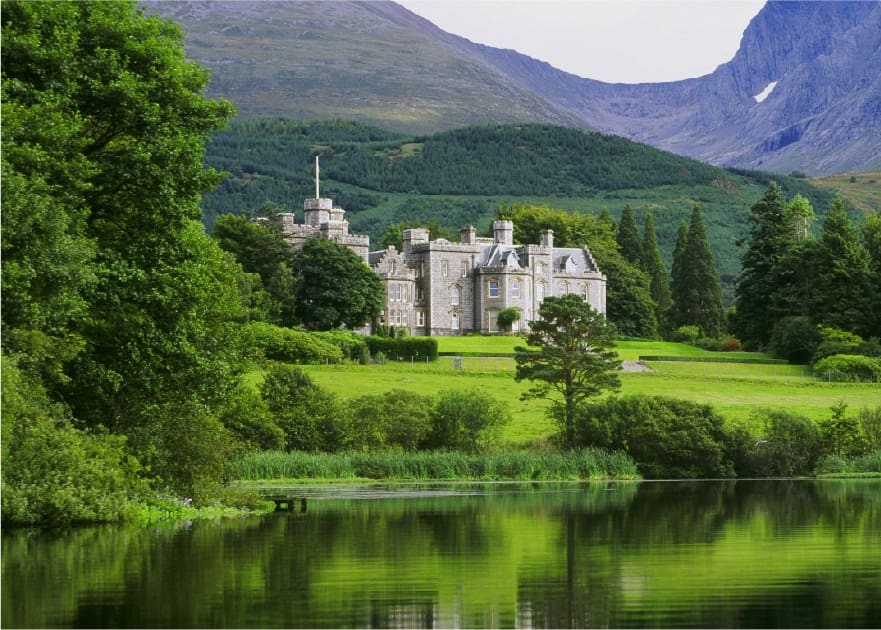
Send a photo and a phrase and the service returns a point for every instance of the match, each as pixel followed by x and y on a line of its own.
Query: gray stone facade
pixel 443 288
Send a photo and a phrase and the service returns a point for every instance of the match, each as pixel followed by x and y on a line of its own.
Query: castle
pixel 443 288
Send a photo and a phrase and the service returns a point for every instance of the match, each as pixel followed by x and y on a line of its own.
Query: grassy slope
pixel 863 190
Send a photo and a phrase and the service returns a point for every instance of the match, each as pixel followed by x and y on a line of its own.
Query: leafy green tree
pixel 335 287
pixel 843 298
pixel 104 131
pixel 260 248
pixel 769 237
pixel 697 296
pixel 573 357
pixel 506 318
pixel 396 418
pixel 654 267
pixel 628 238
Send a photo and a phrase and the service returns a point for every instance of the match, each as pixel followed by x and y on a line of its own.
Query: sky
pixel 617 41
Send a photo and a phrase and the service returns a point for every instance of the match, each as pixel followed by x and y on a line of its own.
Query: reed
pixel 588 463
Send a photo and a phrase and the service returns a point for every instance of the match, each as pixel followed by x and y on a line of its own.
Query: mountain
pixel 803 92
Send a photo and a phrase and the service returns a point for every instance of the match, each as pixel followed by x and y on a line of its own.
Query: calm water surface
pixel 652 554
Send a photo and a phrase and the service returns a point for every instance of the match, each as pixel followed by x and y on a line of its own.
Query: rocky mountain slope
pixel 802 93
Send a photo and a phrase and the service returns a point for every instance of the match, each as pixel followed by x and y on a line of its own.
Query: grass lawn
pixel 734 390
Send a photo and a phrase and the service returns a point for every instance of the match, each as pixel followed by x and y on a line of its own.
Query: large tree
pixel 654 267
pixel 573 357
pixel 697 296
pixel 335 287
pixel 770 232
pixel 628 238
pixel 109 284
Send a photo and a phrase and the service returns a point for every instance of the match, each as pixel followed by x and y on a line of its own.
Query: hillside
pixel 802 92
pixel 863 190
pixel 459 177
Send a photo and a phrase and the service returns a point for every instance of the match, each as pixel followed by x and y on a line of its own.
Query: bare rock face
pixel 802 93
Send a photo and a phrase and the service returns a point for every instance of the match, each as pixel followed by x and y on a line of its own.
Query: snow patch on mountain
pixel 761 96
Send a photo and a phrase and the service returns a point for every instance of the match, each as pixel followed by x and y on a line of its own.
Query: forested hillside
pixel 459 177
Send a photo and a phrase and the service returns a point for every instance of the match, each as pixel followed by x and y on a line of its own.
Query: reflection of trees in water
pixel 561 556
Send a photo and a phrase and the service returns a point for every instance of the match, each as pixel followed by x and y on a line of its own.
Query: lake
pixel 793 553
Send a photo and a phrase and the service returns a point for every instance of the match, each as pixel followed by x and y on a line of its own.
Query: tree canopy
pixel 573 356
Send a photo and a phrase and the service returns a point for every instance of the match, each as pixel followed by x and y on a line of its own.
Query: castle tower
pixel 316 211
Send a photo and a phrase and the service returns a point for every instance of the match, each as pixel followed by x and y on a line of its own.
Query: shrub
pixel 311 418
pixel 397 418
pixel 834 464
pixel 506 318
pixel 288 345
pixel 790 444
pixel 53 473
pixel 834 341
pixel 849 368
pixel 794 339
pixel 248 418
pixel 667 437
pixel 869 419
pixel 724 343
pixel 352 345
pixel 687 334
pixel 468 420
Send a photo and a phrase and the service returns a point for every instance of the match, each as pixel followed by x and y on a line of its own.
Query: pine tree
pixel 678 283
pixel 628 238
pixel 844 282
pixel 699 296
pixel 768 242
pixel 654 267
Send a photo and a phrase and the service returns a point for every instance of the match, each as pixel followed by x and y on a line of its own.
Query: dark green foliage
pixel 260 248
pixel 843 297
pixel 849 368
pixel 871 234
pixel 668 438
pixel 336 287
pixel 833 341
pixel 628 238
pixel 870 426
pixel 789 446
pixel 53 473
pixel 794 338
pixel 768 239
pixel 573 357
pixel 697 298
pixel 403 348
pixel 466 420
pixel 506 318
pixel 290 346
pixel 394 419
pixel 653 265
pixel 311 418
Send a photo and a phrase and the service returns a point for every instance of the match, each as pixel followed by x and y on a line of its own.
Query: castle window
pixel 420 318
pixel 445 268
pixel 582 290
pixel 464 268
pixel 515 289
pixel 540 268
pixel 403 318
pixel 493 288
pixel 454 296
pixel 540 291
pixel 564 288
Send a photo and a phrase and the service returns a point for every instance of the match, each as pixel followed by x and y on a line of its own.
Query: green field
pixel 734 389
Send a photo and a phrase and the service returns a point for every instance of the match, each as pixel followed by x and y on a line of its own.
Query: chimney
pixel 468 236
pixel 503 232
pixel 547 238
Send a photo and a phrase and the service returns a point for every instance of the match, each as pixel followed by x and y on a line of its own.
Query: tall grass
pixel 588 463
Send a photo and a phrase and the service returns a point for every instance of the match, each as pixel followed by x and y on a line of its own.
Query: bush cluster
pixel 294 411
pixel 289 345
pixel 851 368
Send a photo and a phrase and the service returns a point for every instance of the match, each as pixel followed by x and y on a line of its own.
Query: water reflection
pixel 674 554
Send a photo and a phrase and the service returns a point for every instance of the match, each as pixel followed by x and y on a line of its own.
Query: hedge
pixel 403 348
pixel 289 346
pixel 849 368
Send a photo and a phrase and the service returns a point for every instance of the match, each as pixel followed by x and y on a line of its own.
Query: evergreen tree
pixel 678 284
pixel 700 298
pixel 654 267
pixel 628 238
pixel 769 237
pixel 872 241
pixel 844 283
